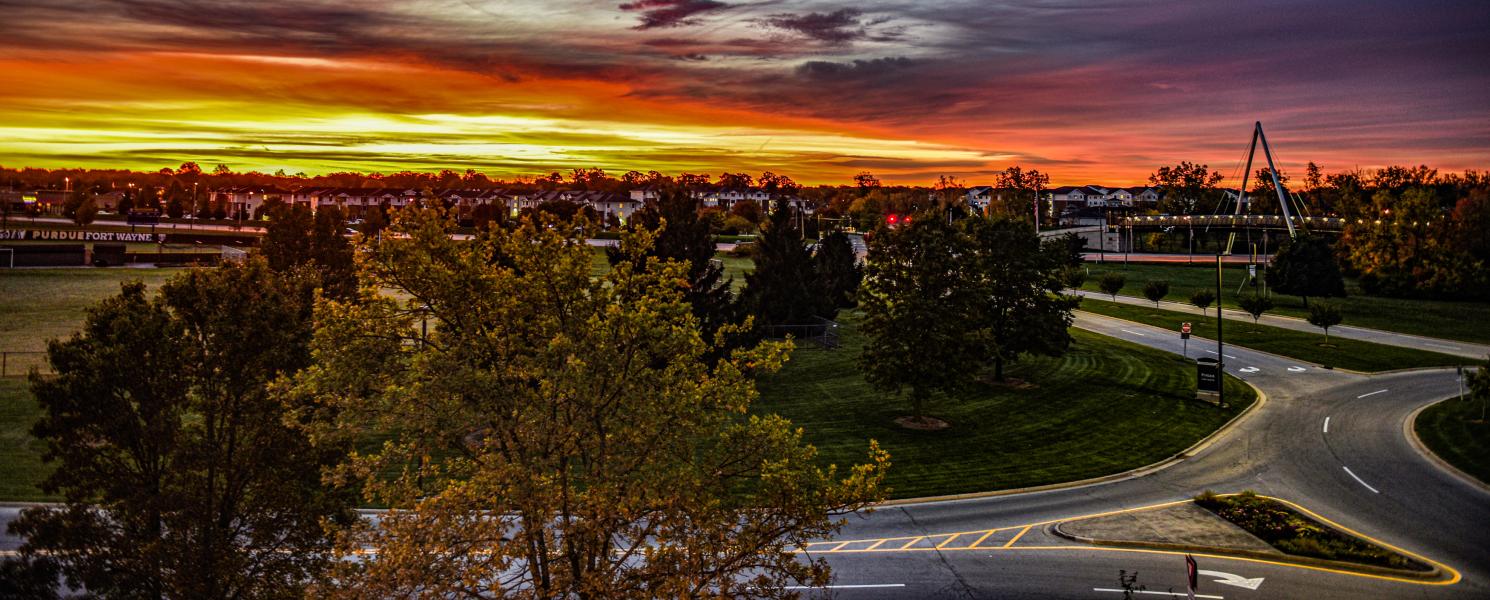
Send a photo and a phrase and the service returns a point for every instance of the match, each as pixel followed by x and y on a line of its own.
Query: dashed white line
pixel 1153 593
pixel 1296 369
pixel 1370 394
pixel 1326 424
pixel 1358 480
pixel 849 587
pixel 1132 332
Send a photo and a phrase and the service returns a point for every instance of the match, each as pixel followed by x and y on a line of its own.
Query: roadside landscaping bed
pixel 1310 347
pixel 1106 407
pixel 1294 533
pixel 1455 432
pixel 1463 321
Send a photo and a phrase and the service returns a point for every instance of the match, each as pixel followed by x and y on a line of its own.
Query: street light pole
pixel 1220 345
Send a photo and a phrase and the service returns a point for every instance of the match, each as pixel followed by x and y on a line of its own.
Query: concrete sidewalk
pixel 1388 338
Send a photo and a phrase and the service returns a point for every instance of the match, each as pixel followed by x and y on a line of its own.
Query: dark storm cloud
pixel 671 13
pixel 837 27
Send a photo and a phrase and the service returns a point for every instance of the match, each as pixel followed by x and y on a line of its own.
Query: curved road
pixel 1362 473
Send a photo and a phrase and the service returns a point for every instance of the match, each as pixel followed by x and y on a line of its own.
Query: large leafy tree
pixel 1305 266
pixel 918 303
pixel 679 234
pixel 1188 188
pixel 1016 289
pixel 180 478
pixel 785 289
pixel 557 434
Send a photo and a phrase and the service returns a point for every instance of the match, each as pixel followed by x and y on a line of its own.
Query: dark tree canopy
pixel 784 289
pixel 1017 284
pixel 180 476
pixel 1305 266
pixel 296 239
pixel 942 298
pixel 838 268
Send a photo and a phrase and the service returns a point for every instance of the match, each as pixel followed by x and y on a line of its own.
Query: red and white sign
pixel 1184 328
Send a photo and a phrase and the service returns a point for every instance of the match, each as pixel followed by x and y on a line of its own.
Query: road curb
pixel 1276 556
pixel 1410 432
pixel 1145 470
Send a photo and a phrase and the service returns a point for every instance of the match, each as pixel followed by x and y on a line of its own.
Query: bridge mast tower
pixel 1272 170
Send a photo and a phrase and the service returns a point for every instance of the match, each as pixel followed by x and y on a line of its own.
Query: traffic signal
pixel 892 219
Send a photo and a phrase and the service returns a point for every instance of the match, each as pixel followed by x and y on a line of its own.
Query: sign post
pixel 1191 576
pixel 1185 337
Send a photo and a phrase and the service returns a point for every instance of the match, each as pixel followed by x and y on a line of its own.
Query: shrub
pixel 1111 284
pixel 1156 290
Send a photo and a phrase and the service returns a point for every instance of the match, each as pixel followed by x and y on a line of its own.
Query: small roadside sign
pixel 1184 331
pixel 1252 271
pixel 1191 573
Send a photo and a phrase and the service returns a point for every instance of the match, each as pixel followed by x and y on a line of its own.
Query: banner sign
pixel 64 235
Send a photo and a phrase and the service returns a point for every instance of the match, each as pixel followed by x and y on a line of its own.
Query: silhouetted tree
pixel 1305 266
pixel 838 268
pixel 784 288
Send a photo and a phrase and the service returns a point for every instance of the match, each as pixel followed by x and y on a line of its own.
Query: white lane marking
pixel 1358 480
pixel 1248 370
pixel 1225 355
pixel 1296 369
pixel 1440 346
pixel 1132 332
pixel 1231 579
pixel 1170 594
pixel 1370 394
pixel 1326 424
pixel 847 587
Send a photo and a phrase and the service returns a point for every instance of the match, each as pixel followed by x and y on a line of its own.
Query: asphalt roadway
pixel 1360 471
pixel 1331 441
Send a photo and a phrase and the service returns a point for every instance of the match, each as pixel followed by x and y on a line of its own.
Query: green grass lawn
pixel 21 468
pixel 1454 430
pixel 41 304
pixel 1105 407
pixel 1464 321
pixel 1340 352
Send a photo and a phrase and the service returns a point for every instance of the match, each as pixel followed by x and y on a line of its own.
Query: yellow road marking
pixel 1454 575
pixel 1018 535
pixel 985 536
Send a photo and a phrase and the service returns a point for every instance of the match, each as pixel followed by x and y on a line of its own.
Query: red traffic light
pixel 892 218
pixel 906 220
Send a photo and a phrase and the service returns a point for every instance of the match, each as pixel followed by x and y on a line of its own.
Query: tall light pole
pixel 1220 345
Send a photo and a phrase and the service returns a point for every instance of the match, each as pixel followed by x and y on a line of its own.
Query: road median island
pixel 1255 527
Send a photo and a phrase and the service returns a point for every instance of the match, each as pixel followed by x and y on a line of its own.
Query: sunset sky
pixel 1090 91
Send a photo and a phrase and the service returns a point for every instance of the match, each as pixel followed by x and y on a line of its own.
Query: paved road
pixel 1389 338
pixel 1360 472
pixel 1389 492
pixel 1154 257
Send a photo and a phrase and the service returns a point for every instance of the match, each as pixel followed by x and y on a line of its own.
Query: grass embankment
pixel 1456 431
pixel 1294 533
pixel 1463 321
pixel 1309 347
pixel 1105 407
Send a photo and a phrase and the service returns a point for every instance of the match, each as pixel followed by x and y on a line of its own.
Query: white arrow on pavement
pixel 1249 370
pixel 1296 369
pixel 1230 579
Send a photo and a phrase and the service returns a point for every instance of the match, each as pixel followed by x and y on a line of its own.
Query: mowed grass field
pixel 41 304
pixel 1105 407
pixel 1455 430
pixel 1311 347
pixel 1464 321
